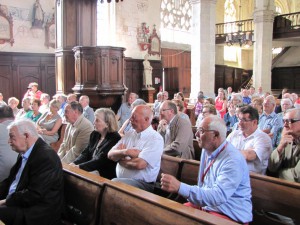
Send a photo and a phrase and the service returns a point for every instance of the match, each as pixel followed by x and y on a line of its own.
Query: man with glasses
pixel 223 183
pixel 176 131
pixel 253 143
pixel 285 159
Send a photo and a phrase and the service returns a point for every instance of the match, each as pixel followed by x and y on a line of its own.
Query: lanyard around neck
pixel 212 162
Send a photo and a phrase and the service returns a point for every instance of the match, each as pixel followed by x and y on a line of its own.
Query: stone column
pixel 263 17
pixel 203 47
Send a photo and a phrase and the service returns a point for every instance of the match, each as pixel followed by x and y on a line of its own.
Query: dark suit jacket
pixel 39 193
pixel 100 162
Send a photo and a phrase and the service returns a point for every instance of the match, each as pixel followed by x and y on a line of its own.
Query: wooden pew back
pixel 83 192
pixel 274 195
pixel 61 133
pixel 197 149
pixel 126 205
pixel 169 165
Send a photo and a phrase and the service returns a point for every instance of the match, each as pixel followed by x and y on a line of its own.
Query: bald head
pixel 141 117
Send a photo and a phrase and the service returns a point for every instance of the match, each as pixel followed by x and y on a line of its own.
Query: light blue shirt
pixel 226 187
pixel 272 122
pixel 15 183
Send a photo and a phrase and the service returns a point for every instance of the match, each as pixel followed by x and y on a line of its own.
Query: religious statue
pixel 38 15
pixel 147 75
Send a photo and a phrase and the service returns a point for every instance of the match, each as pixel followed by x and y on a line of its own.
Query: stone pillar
pixel 263 18
pixel 203 47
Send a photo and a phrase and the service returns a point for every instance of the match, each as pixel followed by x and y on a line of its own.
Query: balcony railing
pixel 223 29
pixel 285 26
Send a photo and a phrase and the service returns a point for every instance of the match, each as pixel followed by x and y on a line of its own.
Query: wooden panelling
pixel 17 70
pixel 288 77
pixel 171 81
pixel 226 76
pixel 182 61
pixel 134 75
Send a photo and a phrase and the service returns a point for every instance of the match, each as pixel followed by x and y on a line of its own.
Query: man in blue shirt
pixel 223 183
pixel 246 98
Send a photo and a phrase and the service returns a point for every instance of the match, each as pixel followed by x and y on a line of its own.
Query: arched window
pixel 176 20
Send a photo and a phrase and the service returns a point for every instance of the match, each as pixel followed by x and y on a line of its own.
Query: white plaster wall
pixel 290 58
pixel 26 39
pixel 130 15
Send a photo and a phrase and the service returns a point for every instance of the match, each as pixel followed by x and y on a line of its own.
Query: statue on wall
pixel 147 75
pixel 38 15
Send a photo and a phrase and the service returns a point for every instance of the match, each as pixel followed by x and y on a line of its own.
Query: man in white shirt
pixel 139 152
pixel 254 144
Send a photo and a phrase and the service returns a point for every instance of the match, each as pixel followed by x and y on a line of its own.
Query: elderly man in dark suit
pixel 33 192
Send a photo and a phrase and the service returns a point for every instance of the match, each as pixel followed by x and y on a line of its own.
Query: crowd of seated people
pixel 131 153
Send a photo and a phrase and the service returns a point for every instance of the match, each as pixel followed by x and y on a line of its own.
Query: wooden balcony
pixel 285 26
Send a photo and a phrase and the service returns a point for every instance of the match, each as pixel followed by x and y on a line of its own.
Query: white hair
pixel 238 96
pixel 24 126
pixel 297 112
pixel 218 124
pixel 286 100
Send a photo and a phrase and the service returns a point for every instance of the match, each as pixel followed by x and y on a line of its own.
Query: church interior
pixel 57 45
pixel 107 49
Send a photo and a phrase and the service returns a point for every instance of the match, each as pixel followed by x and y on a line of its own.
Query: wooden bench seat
pixel 169 165
pixel 126 205
pixel 197 149
pixel 272 195
pixel 61 134
pixel 93 200
pixel 83 192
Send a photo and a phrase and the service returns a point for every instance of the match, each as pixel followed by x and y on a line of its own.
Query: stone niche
pixel 99 73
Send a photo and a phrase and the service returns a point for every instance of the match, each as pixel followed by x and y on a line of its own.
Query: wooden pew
pixel 273 195
pixel 83 193
pixel 91 199
pixel 125 205
pixel 197 149
pixel 169 165
pixel 61 133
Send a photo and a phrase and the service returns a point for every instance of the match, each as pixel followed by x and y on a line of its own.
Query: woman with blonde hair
pixel 49 123
pixel 94 157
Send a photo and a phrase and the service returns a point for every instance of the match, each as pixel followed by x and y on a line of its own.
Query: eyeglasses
pixel 290 121
pixel 202 131
pixel 244 120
